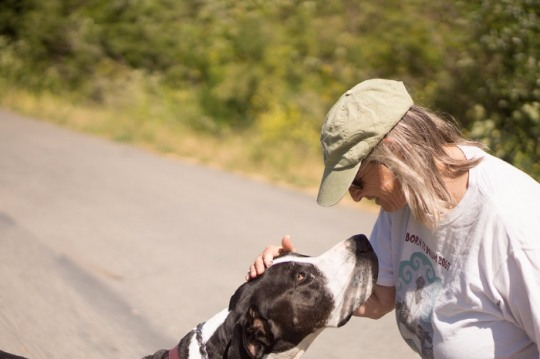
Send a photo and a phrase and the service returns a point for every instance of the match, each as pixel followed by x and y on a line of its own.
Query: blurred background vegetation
pixel 245 84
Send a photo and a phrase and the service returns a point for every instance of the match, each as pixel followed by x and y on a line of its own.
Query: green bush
pixel 271 69
pixel 495 82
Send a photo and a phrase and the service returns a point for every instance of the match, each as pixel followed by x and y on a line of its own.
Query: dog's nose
pixel 361 244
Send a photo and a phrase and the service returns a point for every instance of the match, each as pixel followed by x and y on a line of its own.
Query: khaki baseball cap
pixel 353 127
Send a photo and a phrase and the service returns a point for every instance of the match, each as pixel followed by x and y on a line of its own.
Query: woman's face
pixel 376 182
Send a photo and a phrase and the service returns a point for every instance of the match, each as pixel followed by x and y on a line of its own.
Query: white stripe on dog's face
pixel 350 268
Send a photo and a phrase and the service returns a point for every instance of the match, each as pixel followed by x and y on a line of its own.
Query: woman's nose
pixel 356 194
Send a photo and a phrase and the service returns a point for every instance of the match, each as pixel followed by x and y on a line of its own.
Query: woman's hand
pixel 381 302
pixel 266 258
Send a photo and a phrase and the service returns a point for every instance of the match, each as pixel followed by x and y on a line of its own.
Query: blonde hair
pixel 415 153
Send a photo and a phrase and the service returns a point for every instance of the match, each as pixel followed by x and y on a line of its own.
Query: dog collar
pixel 173 353
pixel 200 341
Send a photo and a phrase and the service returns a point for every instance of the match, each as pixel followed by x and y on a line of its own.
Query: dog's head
pixel 280 313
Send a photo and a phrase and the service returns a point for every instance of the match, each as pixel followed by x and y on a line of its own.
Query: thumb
pixel 287 244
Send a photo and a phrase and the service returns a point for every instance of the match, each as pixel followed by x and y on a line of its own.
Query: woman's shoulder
pixel 495 174
pixel 511 193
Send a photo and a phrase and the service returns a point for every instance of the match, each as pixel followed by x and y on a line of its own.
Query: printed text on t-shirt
pixel 437 258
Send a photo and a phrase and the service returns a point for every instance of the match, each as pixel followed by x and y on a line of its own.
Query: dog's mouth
pixel 360 285
pixel 359 290
pixel 344 321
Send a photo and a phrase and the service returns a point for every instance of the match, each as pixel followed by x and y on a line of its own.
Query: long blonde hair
pixel 415 153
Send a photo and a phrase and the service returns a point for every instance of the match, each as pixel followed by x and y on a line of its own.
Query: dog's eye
pixel 300 276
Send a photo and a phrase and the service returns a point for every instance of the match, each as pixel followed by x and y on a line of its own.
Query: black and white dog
pixel 279 314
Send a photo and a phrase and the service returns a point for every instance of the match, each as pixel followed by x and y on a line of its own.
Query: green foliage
pixel 273 68
pixel 12 16
pixel 495 86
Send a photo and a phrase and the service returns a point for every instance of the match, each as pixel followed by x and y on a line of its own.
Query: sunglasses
pixel 357 182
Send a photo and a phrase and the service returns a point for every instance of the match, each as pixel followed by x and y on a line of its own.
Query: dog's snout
pixel 361 244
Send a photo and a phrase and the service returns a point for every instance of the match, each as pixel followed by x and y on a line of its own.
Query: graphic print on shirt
pixel 416 291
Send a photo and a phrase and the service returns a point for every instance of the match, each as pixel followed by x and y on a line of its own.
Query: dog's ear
pixel 257 336
pixel 236 299
pixel 251 336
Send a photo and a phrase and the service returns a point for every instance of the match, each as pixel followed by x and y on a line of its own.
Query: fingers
pixel 266 258
pixel 263 261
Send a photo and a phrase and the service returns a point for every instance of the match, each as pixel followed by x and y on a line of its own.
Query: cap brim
pixel 335 183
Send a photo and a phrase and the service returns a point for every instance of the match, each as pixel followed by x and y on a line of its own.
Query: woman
pixel 458 234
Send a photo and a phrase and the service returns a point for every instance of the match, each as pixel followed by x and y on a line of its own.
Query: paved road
pixel 107 251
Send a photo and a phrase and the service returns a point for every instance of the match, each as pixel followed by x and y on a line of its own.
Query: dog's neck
pixel 297 351
pixel 216 323
pixel 206 331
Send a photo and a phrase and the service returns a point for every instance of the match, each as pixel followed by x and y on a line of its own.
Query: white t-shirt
pixel 471 288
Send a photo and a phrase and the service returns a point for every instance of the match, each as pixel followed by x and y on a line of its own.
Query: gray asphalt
pixel 107 251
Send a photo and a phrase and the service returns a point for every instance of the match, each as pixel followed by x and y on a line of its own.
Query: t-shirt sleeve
pixel 518 282
pixel 381 241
